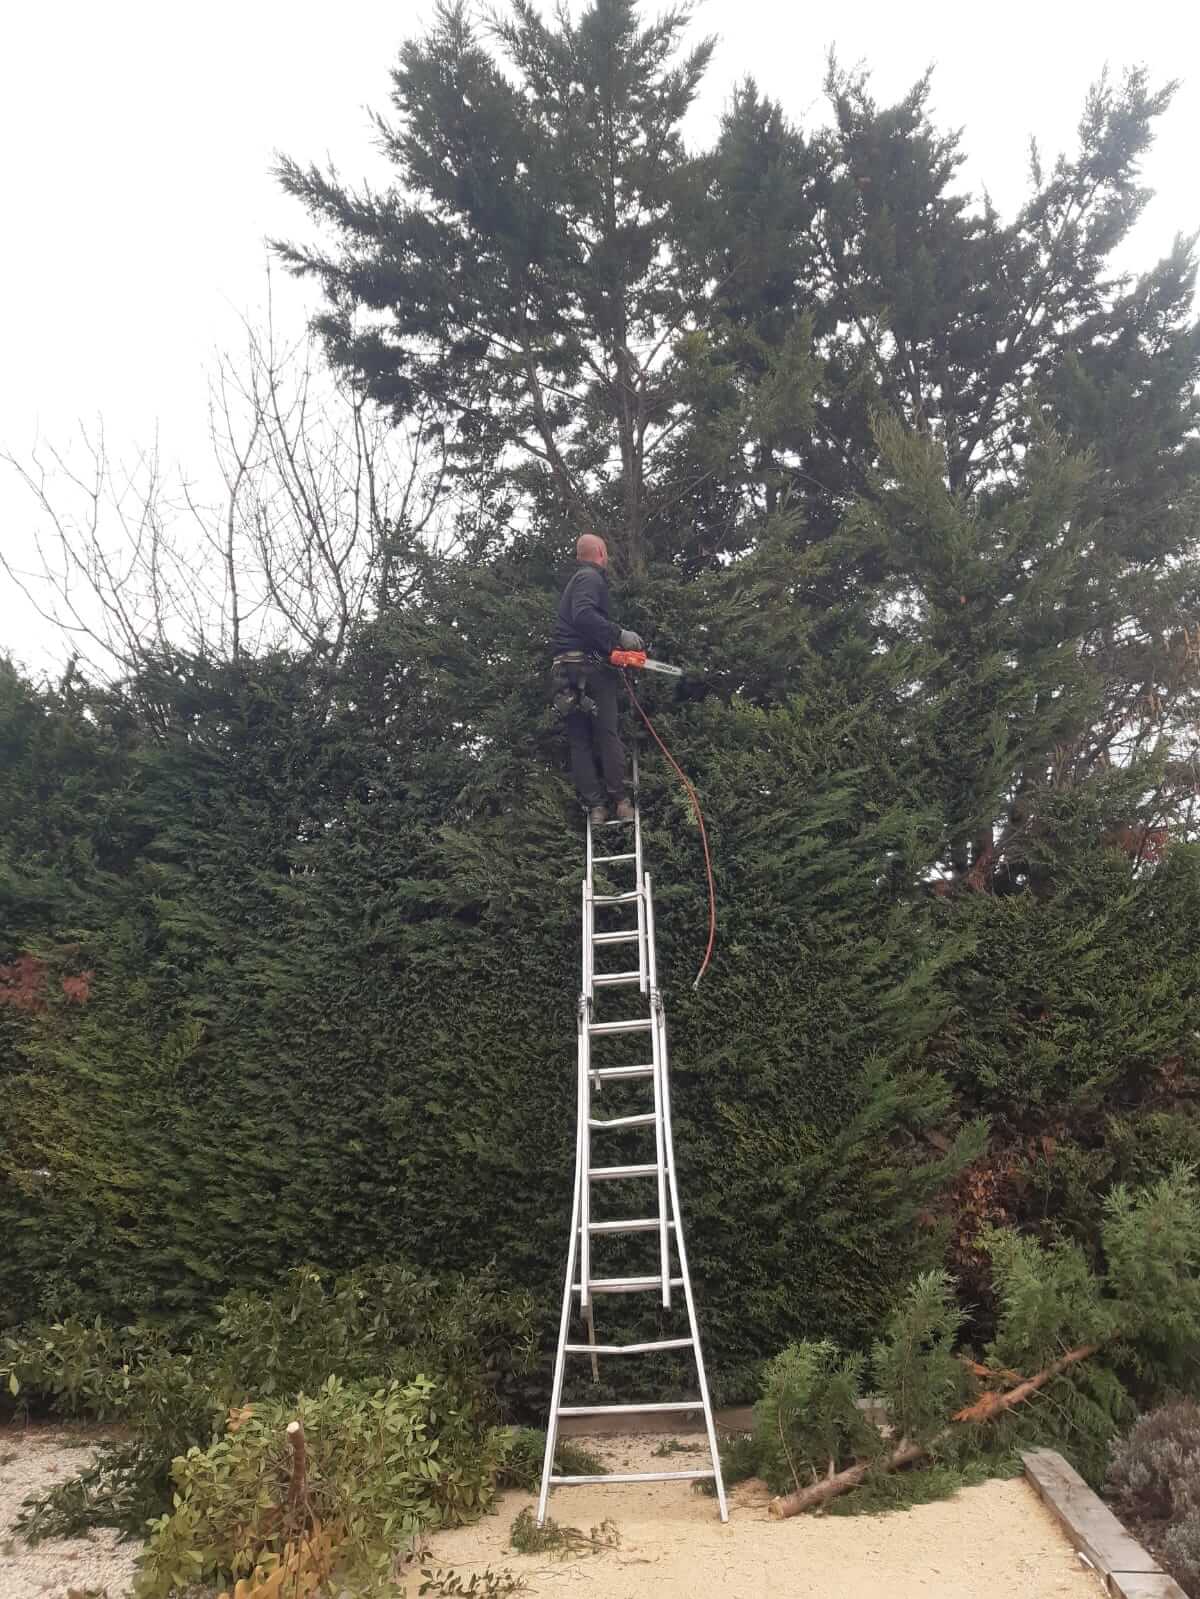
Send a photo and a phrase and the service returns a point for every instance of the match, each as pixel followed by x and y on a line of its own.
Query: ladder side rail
pixel 660 1144
pixel 638 871
pixel 589 952
pixel 583 1137
pixel 564 1325
pixel 658 1060
pixel 680 1245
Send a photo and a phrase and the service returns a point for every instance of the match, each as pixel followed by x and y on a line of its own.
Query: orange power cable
pixel 692 795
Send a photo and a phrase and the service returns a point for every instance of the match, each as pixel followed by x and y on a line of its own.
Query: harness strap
pixel 569 674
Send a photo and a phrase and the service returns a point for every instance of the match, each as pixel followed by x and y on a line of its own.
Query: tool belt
pixel 569 678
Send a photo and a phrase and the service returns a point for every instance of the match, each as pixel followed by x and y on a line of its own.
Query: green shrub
pixel 383 1464
pixel 372 1327
pixel 72 1367
pixel 1155 1471
pixel 165 1398
pixel 1181 1553
pixel 373 1324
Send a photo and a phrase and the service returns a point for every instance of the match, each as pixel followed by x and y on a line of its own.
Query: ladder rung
pixel 637 1024
pixel 611 860
pixel 621 1071
pixel 615 979
pixel 616 938
pixel 617 899
pixel 629 1285
pixel 639 1224
pixel 601 1173
pixel 627 1349
pixel 673 1405
pixel 619 821
pixel 646 1120
pixel 635 1476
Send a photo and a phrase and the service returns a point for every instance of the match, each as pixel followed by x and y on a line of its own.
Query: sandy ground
pixel 30 1462
pixel 996 1541
pixel 992 1542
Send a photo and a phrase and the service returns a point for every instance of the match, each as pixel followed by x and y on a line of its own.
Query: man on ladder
pixel 585 686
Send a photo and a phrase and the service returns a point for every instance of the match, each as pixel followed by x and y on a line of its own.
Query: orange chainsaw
pixel 641 662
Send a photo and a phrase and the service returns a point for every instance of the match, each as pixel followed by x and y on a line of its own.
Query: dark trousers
pixel 596 737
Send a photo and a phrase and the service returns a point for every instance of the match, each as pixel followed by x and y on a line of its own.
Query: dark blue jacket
pixel 583 622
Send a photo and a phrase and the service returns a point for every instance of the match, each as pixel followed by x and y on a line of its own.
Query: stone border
pixel 1127 1570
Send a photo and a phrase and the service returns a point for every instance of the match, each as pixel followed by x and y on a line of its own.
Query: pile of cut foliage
pixel 1079 1345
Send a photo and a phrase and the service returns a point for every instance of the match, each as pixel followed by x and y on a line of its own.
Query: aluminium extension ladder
pixel 667 1224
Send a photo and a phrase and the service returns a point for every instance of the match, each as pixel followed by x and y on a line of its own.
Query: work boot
pixel 597 815
pixel 624 810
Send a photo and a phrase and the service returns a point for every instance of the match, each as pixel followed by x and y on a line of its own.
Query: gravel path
pixel 996 1541
pixel 991 1541
pixel 32 1460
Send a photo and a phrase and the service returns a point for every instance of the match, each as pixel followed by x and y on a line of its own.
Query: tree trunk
pixel 631 464
pixel 841 1482
pixel 624 366
pixel 994 1404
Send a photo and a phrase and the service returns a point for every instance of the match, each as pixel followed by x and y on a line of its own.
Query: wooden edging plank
pixel 1145 1585
pixel 1128 1570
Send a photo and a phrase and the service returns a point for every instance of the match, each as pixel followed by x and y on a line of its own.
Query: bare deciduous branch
pixel 315 513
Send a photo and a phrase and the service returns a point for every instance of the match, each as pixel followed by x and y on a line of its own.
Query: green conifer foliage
pixel 289 943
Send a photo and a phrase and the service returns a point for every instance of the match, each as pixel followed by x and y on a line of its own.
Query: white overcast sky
pixel 138 141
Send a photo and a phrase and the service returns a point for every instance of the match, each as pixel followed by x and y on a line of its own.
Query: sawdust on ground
pixel 989 1541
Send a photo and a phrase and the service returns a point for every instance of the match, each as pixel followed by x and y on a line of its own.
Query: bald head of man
pixel 591 547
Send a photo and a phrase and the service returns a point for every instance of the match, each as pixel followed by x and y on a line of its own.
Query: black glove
pixel 631 641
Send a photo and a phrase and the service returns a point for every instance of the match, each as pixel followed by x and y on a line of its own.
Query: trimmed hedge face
pixel 307 982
